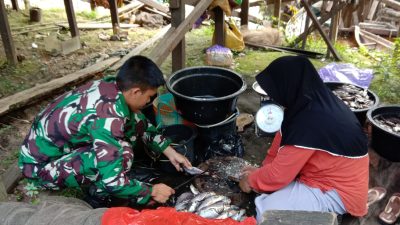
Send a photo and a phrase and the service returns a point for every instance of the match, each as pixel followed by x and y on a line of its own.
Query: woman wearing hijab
pixel 319 160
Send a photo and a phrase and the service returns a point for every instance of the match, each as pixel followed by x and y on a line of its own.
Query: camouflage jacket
pixel 94 115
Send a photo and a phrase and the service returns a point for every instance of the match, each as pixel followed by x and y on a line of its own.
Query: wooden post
pixel 319 28
pixel 334 28
pixel 114 16
pixel 27 4
pixel 178 54
pixel 165 46
pixel 69 9
pixel 6 36
pixel 219 26
pixel 277 11
pixel 15 5
pixel 244 13
pixel 303 44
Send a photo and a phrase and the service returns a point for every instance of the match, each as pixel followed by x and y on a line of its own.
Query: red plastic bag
pixel 161 216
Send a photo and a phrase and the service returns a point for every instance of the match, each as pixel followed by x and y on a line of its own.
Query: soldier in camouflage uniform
pixel 87 136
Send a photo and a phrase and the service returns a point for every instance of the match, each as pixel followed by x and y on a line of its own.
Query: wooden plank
pixel 372 10
pixel 155 5
pixel 168 17
pixel 69 9
pixel 334 29
pixel 179 52
pixel 314 19
pixel 36 30
pixel 174 36
pixel 287 217
pixel 6 36
pixel 114 16
pixel 11 177
pixel 14 4
pixel 392 4
pixel 140 48
pixel 89 26
pixel 34 94
pixel 244 12
pixel 382 42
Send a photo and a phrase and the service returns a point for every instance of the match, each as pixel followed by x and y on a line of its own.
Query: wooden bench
pixel 288 217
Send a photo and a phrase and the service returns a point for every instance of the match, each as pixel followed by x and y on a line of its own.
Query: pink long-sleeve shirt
pixel 315 168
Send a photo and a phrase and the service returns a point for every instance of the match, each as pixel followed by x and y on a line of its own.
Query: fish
pixel 183 200
pixel 195 202
pixel 212 200
pixel 239 216
pixel 213 211
pixel 194 190
pixel 228 213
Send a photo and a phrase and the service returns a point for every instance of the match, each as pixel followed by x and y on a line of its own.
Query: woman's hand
pixel 244 184
pixel 248 169
pixel 177 159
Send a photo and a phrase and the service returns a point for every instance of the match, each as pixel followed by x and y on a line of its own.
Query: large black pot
pixel 385 143
pixel 205 95
pixel 360 113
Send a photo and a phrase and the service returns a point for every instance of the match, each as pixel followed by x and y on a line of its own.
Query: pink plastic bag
pixel 161 216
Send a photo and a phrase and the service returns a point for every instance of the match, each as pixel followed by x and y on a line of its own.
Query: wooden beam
pixel 392 4
pixel 244 13
pixel 153 10
pixel 140 48
pixel 174 36
pixel 15 5
pixel 219 26
pixel 304 41
pixel 114 16
pixel 372 9
pixel 155 5
pixel 335 8
pixel 190 2
pixel 319 28
pixel 334 29
pixel 175 4
pixel 32 95
pixel 69 9
pixel 6 36
pixel 179 52
pixel 89 26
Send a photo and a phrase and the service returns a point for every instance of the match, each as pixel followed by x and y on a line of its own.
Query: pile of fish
pixel 389 123
pixel 208 205
pixel 353 96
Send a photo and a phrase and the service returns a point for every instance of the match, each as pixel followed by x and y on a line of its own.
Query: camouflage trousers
pixel 71 170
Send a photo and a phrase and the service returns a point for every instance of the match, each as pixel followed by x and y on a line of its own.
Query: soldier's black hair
pixel 139 71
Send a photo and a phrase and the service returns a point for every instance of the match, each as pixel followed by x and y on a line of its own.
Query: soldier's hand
pixel 161 193
pixel 177 159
